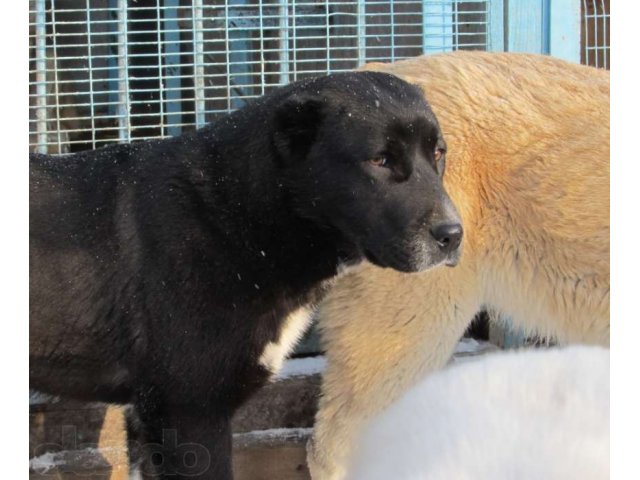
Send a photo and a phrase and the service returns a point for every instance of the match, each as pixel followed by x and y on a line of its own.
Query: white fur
pixel 293 328
pixel 345 268
pixel 512 416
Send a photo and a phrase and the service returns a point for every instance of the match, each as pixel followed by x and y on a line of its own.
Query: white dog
pixel 515 416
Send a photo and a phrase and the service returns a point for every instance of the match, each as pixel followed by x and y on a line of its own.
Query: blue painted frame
pixel 496 25
pixel 437 26
pixel 564 29
pixel 550 27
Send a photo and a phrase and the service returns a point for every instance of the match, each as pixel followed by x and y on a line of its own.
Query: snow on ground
pixel 37 398
pixel 86 458
pixel 467 349
pixel 299 432
pixel 272 437
pixel 301 367
pixel 470 345
pixel 46 462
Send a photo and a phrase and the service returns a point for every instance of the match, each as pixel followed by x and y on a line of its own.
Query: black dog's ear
pixel 296 125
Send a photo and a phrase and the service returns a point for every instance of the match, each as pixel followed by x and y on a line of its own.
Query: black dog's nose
pixel 448 236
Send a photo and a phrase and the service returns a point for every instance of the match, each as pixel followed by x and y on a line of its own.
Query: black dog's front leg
pixel 180 443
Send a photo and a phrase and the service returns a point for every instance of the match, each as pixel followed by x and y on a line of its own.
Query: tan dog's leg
pixel 375 359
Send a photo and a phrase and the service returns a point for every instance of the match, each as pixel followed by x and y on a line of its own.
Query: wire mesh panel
pixel 595 33
pixel 117 70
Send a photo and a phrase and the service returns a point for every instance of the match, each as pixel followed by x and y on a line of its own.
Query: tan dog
pixel 528 169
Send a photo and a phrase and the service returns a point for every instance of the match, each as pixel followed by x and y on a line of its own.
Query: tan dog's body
pixel 528 169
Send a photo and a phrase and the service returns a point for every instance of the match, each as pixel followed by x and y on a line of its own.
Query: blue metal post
pixel 545 26
pixel 294 39
pixel 90 59
pixel 362 31
pixel 112 62
pixel 41 75
pixel 283 43
pixel 526 27
pixel 496 26
pixel 198 62
pixel 124 122
pixel 161 62
pixel 437 26
pixel 172 67
pixel 546 29
pixel 392 38
pixel 238 46
pixel 564 29
pixel 327 33
pixel 262 62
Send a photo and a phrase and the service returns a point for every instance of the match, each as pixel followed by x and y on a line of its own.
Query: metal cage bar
pixel 173 94
pixel 496 25
pixel 198 61
pixel 362 31
pixel 438 26
pixel 207 57
pixel 283 11
pixel 91 72
pixel 124 121
pixel 41 76
pixel 595 33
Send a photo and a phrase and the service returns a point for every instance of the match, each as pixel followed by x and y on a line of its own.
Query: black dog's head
pixel 363 153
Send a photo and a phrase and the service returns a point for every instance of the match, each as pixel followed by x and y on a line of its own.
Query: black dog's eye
pixel 438 154
pixel 379 161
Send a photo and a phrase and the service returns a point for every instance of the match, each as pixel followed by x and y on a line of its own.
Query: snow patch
pixel 467 349
pixel 301 367
pixel 468 345
pixel 45 462
pixel 38 398
pixel 272 437
pixel 470 350
pixel 298 432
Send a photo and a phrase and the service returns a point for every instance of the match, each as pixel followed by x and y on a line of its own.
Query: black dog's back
pixel 71 270
pixel 161 230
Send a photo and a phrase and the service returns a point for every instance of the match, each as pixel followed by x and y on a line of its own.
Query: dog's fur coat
pixel 177 274
pixel 528 169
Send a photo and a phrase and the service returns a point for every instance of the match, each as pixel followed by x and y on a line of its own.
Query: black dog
pixel 175 275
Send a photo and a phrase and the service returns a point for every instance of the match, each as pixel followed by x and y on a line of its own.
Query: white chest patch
pixel 293 328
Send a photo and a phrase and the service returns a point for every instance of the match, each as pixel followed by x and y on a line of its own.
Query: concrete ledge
pixel 275 454
pixel 73 440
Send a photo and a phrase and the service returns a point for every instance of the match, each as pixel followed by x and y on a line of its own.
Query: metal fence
pixel 112 70
pixel 595 31
pixel 119 70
